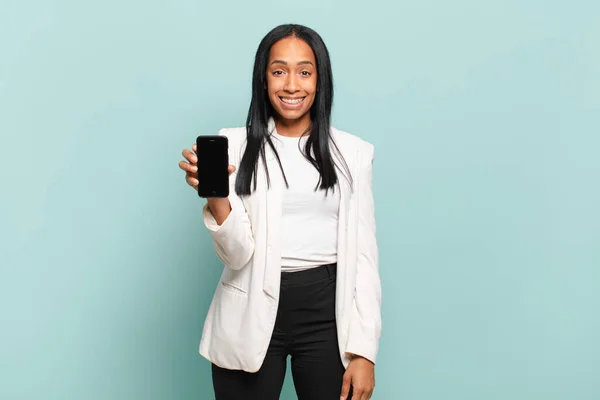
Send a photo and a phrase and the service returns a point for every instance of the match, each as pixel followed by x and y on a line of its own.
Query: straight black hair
pixel 317 149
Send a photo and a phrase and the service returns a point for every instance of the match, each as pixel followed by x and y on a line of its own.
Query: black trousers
pixel 305 329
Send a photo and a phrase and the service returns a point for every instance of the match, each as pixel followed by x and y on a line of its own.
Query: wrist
pixel 219 208
pixel 354 357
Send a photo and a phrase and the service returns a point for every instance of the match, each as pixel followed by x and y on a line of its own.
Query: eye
pixel 277 73
pixel 305 73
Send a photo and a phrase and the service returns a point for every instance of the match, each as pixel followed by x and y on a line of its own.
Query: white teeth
pixel 291 101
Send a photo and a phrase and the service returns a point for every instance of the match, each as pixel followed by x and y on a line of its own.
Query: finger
pixel 187 167
pixel 195 149
pixel 193 182
pixel 231 169
pixel 191 157
pixel 357 393
pixel 345 387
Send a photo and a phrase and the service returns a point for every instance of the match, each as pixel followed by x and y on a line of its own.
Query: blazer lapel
pixel 343 243
pixel 274 198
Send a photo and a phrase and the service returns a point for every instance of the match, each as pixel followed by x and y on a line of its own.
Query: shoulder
pixel 235 136
pixel 349 143
pixel 236 141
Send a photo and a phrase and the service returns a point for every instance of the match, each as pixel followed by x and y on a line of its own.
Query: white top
pixel 309 222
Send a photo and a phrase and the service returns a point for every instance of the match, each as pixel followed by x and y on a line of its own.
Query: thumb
pixel 345 386
pixel 231 169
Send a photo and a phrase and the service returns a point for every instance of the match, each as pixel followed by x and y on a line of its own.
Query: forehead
pixel 292 49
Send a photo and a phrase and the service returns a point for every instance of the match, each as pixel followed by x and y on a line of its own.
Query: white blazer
pixel 241 317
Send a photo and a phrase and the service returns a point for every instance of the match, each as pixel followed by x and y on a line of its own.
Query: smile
pixel 292 101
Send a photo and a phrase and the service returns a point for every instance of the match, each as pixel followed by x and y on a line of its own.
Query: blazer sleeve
pixel 233 240
pixel 365 318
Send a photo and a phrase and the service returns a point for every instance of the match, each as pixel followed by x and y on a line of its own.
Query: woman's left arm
pixel 365 319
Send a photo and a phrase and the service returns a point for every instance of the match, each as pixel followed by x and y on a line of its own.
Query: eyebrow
pixel 286 63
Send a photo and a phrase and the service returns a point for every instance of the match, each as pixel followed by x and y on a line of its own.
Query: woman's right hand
pixel 219 207
pixel 190 167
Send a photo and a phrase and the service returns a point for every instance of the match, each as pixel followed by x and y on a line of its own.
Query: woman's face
pixel 292 78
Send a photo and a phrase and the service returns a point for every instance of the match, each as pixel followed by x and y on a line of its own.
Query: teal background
pixel 486 120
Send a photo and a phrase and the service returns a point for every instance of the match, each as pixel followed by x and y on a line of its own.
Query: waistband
pixel 310 275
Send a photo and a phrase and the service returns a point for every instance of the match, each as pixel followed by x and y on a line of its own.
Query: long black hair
pixel 317 148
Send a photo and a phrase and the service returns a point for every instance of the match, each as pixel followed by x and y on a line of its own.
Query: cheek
pixel 312 87
pixel 272 92
pixel 313 91
pixel 272 86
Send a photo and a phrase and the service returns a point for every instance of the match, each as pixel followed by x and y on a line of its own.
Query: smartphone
pixel 213 162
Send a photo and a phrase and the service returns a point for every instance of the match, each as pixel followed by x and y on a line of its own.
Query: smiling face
pixel 292 80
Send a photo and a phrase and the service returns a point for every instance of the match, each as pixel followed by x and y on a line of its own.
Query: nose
pixel 291 83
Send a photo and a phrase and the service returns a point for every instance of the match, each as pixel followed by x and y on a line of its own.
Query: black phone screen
pixel 213 161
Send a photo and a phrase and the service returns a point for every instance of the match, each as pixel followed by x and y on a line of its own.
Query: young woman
pixel 297 237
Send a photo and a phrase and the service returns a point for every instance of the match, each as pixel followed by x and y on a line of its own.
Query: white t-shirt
pixel 309 223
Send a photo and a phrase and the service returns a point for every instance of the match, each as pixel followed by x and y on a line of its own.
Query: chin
pixel 292 115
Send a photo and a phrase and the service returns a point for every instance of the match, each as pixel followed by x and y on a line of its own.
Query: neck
pixel 293 128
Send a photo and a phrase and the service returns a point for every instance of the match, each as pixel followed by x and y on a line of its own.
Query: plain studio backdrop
pixel 485 116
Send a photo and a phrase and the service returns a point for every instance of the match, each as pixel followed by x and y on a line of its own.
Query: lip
pixel 292 106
